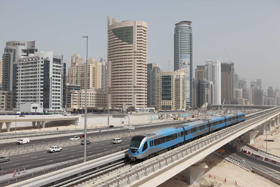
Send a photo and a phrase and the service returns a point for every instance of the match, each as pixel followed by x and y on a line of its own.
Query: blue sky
pixel 245 32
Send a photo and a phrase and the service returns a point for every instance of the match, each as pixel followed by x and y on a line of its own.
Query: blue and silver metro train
pixel 147 145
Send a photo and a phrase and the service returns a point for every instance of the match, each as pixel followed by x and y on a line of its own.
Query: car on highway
pixel 23 141
pixel 116 140
pixel 83 142
pixel 54 148
pixel 4 159
pixel 75 138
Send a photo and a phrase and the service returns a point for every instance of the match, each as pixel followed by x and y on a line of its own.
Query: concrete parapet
pixel 193 173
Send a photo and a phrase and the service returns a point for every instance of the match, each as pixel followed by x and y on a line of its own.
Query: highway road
pixel 42 158
pixel 91 133
pixel 96 149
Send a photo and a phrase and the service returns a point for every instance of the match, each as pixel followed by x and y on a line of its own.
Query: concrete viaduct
pixel 38 121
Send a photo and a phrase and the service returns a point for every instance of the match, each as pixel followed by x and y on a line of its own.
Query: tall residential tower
pixel 127 54
pixel 13 51
pixel 183 54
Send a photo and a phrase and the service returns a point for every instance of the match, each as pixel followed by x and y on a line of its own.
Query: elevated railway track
pixel 112 170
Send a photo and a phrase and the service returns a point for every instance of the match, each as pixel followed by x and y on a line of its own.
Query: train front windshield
pixel 135 142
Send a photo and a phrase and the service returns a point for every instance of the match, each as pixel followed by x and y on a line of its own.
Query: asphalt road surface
pixel 42 158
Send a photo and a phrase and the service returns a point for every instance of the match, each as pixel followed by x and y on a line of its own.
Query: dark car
pixel 4 159
pixel 83 142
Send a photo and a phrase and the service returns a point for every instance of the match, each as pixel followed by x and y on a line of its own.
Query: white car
pixel 116 140
pixel 23 141
pixel 54 148
pixel 75 138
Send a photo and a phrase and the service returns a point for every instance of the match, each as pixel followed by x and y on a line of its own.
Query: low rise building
pixel 172 90
pixel 69 89
pixel 96 99
pixel 6 101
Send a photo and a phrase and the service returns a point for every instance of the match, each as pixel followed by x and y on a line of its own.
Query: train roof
pixel 188 126
pixel 161 132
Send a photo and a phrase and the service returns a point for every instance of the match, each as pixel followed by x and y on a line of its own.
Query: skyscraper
pixel 76 73
pixel 153 87
pixel 0 74
pixel 183 54
pixel 127 53
pixel 203 90
pixel 227 72
pixel 213 74
pixel 13 51
pixel 104 73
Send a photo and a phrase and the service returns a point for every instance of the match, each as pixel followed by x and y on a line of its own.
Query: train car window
pixel 162 140
pixel 208 125
pixel 145 146
pixel 186 132
pixel 182 133
pixel 151 143
pixel 201 127
pixel 193 130
pixel 156 141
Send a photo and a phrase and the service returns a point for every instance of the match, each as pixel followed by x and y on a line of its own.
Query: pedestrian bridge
pixel 38 121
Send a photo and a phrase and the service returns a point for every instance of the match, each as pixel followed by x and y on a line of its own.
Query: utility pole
pixel 85 115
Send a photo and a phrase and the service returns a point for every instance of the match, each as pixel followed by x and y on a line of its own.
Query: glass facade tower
pixel 183 54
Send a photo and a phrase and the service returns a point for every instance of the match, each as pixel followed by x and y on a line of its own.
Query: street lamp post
pixel 86 85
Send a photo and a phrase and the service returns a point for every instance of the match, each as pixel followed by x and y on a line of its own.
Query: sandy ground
pixel 224 174
pixel 272 147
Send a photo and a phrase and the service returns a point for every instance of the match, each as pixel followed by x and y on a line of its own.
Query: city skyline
pixel 219 32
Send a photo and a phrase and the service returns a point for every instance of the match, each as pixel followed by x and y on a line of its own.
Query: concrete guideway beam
pixel 155 178
pixel 193 173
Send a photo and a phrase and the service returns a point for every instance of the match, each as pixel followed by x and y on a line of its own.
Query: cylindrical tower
pixel 183 54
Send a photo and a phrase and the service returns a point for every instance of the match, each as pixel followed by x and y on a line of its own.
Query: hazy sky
pixel 244 32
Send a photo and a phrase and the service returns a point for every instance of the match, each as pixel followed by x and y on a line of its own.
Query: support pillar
pixel 250 136
pixel 271 127
pixel 44 124
pixel 33 124
pixel 38 124
pixel 8 125
pixel 193 173
pixel 264 128
pixel 1 125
